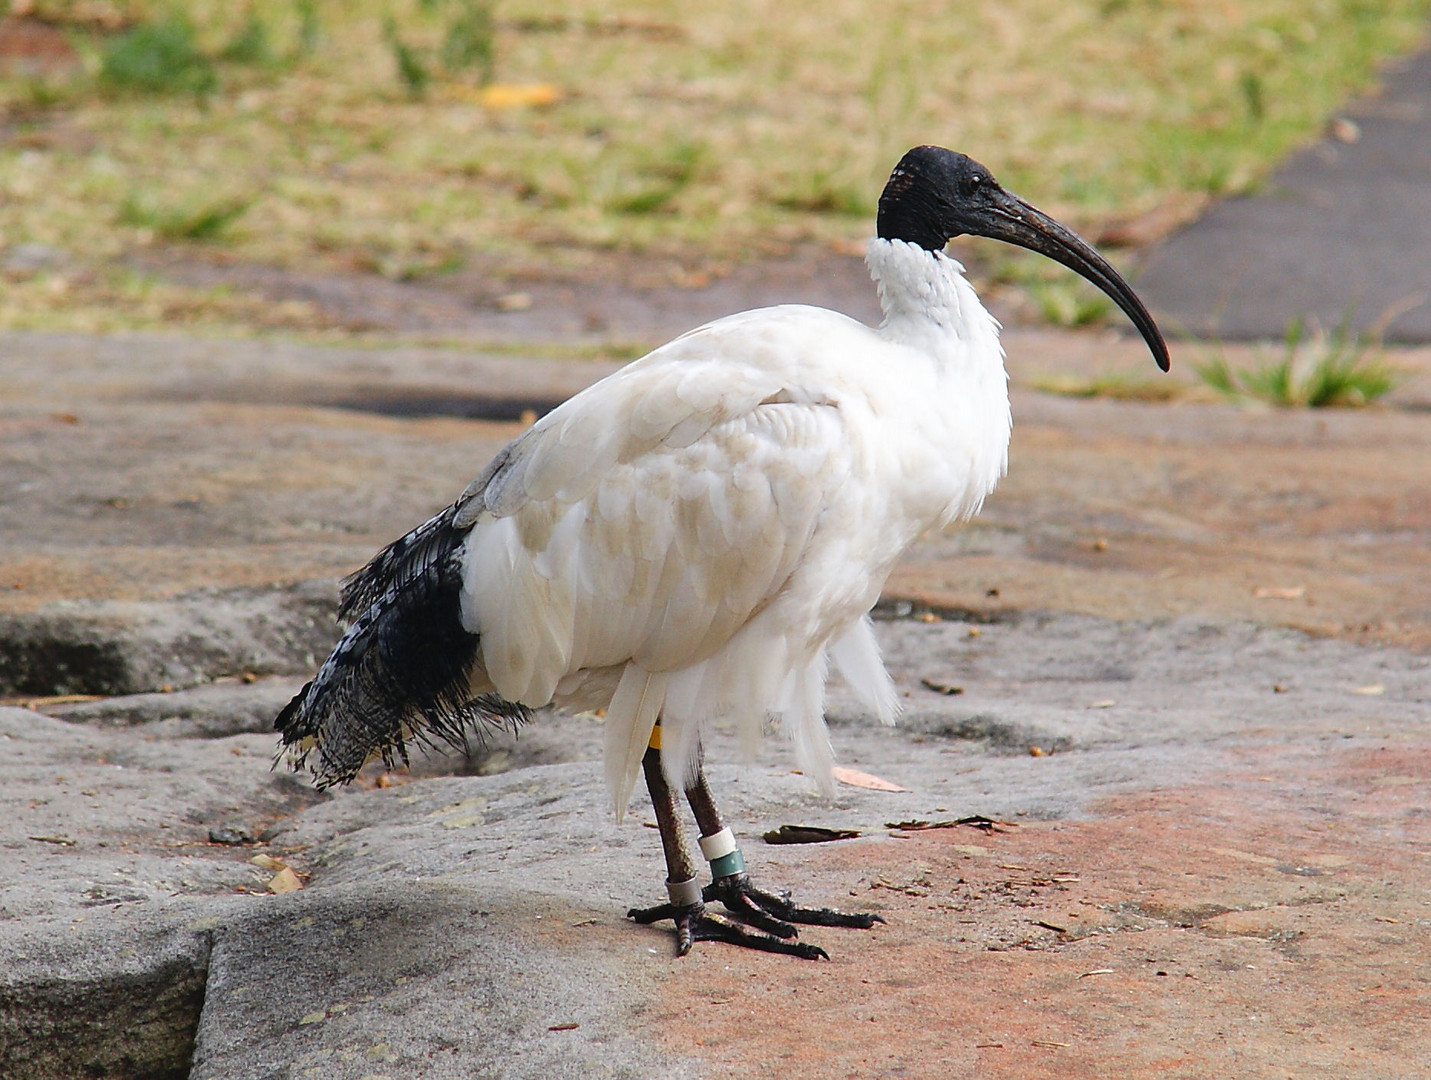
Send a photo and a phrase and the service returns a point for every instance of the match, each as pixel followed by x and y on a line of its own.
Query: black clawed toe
pixel 694 924
pixel 774 912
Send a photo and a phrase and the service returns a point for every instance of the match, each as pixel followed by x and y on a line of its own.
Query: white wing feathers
pixel 629 720
pixel 653 526
pixel 857 656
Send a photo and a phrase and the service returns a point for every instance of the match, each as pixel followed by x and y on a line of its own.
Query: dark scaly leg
pixel 772 912
pixel 685 907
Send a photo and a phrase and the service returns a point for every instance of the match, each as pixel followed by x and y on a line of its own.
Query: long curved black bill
pixel 1008 218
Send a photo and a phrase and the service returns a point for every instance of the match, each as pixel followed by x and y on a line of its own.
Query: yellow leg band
pixel 655 743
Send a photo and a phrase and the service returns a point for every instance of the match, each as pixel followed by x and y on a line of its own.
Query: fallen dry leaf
pixel 268 862
pixel 285 881
pixel 1268 592
pixel 939 687
pixel 1371 691
pixel 1344 130
pixel 855 778
pixel 517 95
pixel 808 834
pixel 33 703
pixel 974 821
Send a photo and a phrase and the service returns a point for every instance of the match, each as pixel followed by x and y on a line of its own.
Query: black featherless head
pixel 934 195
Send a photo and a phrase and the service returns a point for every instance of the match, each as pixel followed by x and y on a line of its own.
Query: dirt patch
pixel 610 297
pixel 31 48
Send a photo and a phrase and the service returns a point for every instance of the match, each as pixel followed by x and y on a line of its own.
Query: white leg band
pixel 718 845
pixel 684 893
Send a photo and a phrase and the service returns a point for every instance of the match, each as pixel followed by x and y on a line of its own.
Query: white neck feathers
pixel 931 310
pixel 928 303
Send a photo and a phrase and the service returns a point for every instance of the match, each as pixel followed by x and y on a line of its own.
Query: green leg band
pixel 733 863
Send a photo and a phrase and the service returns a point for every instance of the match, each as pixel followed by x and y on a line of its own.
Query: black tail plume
pixel 404 668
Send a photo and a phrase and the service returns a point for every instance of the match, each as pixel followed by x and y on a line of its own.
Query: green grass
pixel 469 43
pixel 194 218
pixel 411 67
pixel 690 133
pixel 161 57
pixel 1070 302
pixel 250 45
pixel 1315 370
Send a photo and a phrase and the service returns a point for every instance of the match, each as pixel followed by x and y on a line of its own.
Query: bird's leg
pixel 684 891
pixel 771 912
pixel 685 907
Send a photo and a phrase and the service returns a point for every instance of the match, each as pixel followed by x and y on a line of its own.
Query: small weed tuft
pixel 470 42
pixel 411 68
pixel 662 180
pixel 1254 96
pixel 158 58
pixel 251 45
pixel 39 93
pixel 192 219
pixel 821 193
pixel 1061 298
pixel 1070 303
pixel 309 27
pixel 1316 370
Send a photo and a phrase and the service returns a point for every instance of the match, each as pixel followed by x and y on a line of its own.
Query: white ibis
pixel 700 535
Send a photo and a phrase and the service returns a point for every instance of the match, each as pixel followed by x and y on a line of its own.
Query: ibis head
pixel 934 195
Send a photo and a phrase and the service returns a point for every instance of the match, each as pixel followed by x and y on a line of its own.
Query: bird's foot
pixel 773 912
pixel 694 923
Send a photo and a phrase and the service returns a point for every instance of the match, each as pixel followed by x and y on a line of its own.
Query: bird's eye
pixel 970 184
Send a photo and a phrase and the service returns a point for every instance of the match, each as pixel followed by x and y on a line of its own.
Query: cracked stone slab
pixel 114 647
pixel 227 705
pixel 426 978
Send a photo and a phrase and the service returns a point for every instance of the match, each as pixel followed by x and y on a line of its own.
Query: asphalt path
pixel 1342 231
